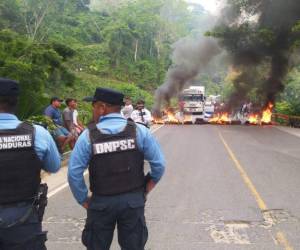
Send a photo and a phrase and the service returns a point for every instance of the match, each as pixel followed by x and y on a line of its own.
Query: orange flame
pixel 171 118
pixel 158 121
pixel 221 118
pixel 267 114
pixel 253 119
pixel 215 119
pixel 187 118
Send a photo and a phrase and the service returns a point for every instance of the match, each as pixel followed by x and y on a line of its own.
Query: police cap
pixel 109 96
pixel 9 87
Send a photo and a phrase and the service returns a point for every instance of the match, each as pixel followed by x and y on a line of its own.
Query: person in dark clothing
pixel 25 150
pixel 67 115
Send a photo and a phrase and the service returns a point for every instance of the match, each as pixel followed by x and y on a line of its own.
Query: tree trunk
pixel 158 52
pixel 150 51
pixel 157 44
pixel 136 49
pixel 38 16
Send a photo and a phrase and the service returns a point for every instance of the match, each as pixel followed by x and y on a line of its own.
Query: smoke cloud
pixel 260 36
pixel 189 58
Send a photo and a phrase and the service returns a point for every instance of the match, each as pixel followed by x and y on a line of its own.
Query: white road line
pixel 55 191
pixel 66 184
pixel 63 186
pixel 155 129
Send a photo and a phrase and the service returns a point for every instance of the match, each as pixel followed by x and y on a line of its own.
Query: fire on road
pixel 259 118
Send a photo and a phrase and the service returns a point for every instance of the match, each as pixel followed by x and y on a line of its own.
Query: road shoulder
pixel 289 130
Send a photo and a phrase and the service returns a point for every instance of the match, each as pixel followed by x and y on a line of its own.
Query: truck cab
pixel 193 101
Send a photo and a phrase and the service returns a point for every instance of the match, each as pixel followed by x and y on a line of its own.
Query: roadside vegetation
pixel 69 47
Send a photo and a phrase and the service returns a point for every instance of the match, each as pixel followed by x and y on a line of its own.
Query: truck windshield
pixel 193 98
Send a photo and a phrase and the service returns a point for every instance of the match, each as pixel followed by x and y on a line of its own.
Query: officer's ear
pixel 97 105
pixel 100 108
pixel 104 107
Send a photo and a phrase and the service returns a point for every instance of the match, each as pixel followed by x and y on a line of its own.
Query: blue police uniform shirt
pixel 45 149
pixel 82 153
pixel 54 114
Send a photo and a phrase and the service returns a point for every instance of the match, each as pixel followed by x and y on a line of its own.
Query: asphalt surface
pixel 225 187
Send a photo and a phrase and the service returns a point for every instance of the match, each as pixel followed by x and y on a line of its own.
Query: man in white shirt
pixel 127 109
pixel 141 114
pixel 79 127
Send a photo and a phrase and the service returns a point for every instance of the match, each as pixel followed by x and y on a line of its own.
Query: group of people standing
pixel 139 115
pixel 112 148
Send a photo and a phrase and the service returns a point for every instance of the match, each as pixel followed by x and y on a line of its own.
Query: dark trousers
pixel 105 212
pixel 26 236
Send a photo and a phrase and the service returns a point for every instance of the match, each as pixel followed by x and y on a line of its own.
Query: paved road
pixel 226 187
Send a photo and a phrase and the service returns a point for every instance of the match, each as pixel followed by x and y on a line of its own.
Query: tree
pixel 35 66
pixel 56 46
pixel 34 13
pixel 291 94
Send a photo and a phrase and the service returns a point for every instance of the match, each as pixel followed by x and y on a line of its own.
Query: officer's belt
pixel 17 204
pixel 23 218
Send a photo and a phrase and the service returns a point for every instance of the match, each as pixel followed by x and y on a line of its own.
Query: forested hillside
pixel 68 47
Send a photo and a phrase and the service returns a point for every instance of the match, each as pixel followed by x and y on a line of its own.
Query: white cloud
pixel 212 6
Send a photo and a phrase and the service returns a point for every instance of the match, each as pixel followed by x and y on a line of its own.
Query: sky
pixel 210 5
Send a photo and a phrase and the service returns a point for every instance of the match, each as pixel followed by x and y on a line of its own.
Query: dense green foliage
pixel 69 47
pixel 35 65
pixel 42 121
pixel 289 101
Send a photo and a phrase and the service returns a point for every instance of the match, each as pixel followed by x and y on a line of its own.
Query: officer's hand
pixel 86 203
pixel 149 186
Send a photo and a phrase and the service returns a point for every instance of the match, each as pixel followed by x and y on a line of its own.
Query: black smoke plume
pixel 257 33
pixel 188 59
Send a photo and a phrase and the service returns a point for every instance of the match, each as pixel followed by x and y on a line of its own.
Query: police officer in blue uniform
pixel 114 151
pixel 24 151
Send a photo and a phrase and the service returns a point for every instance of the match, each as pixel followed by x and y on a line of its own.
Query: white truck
pixel 193 102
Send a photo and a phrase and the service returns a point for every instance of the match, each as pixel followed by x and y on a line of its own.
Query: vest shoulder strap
pixel 131 127
pixel 131 123
pixel 93 131
pixel 27 128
